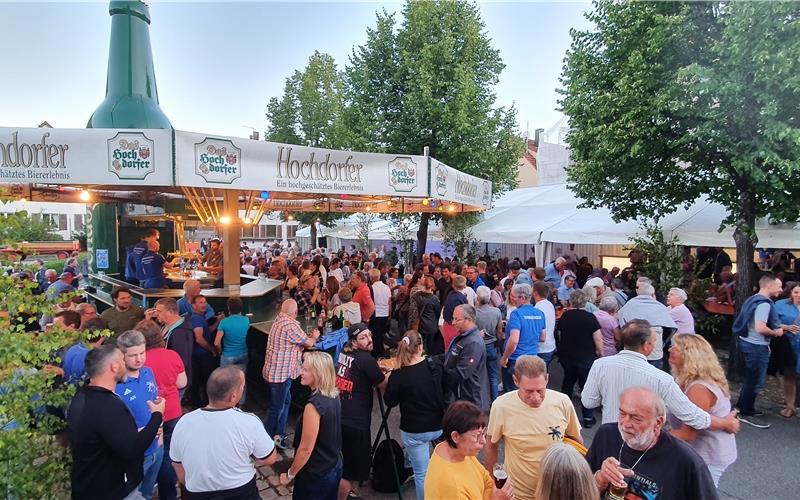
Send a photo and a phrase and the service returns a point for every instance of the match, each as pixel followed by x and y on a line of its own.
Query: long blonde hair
pixel 321 365
pixel 699 362
pixel 565 475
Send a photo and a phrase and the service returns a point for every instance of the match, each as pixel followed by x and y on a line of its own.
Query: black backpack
pixel 387 461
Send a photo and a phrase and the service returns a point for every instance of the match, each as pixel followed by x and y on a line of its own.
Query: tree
pixel 32 463
pixel 457 234
pixel 429 83
pixel 401 232
pixel 669 101
pixel 22 226
pixel 364 222
pixel 308 114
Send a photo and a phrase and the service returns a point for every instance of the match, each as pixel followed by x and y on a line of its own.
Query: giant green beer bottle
pixel 131 96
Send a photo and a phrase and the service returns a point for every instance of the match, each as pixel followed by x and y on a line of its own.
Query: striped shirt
pixel 284 350
pixel 611 375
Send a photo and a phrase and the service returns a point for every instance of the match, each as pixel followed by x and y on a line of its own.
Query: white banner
pixel 85 156
pixel 226 162
pixel 449 184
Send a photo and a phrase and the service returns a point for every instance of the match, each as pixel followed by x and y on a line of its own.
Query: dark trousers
pixel 576 370
pixel 307 487
pixel 379 328
pixel 756 361
pixel 202 366
pixel 166 474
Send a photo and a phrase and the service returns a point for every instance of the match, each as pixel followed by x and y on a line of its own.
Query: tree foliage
pixel 427 82
pixel 670 101
pixel 457 235
pixel 22 226
pixel 309 114
pixel 661 258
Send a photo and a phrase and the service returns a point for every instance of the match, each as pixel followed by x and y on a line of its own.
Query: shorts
pixel 356 454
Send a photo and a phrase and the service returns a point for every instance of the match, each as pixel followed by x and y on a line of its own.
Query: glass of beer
pixel 500 476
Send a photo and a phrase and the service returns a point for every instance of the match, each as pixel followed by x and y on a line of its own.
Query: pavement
pixel 767 467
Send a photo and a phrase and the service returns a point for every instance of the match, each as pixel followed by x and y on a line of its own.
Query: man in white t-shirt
pixel 379 323
pixel 211 447
pixel 541 293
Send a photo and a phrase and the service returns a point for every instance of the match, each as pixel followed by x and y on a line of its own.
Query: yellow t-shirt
pixel 467 480
pixel 527 433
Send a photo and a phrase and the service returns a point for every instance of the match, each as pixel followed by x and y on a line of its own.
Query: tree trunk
pixel 313 235
pixel 422 235
pixel 746 239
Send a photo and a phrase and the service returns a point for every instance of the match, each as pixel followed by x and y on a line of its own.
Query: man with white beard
pixel 633 458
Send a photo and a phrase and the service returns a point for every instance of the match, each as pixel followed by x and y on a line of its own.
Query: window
pixel 77 223
pixel 290 232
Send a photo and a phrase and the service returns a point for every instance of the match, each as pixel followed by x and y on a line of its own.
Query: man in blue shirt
pixel 191 289
pixel 473 278
pixel 134 273
pixel 204 354
pixel 153 264
pixel 63 285
pixel 139 387
pixel 526 327
pixel 553 271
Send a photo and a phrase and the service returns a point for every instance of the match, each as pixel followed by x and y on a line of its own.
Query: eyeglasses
pixel 477 436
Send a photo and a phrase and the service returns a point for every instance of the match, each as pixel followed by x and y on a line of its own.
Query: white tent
pixel 549 214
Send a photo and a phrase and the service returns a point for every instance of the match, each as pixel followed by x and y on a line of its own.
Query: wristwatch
pixel 289 474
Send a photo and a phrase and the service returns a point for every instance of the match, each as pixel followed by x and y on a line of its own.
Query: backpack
pixel 388 461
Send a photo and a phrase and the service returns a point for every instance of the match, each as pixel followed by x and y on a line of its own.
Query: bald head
pixel 644 398
pixel 289 307
pixel 641 417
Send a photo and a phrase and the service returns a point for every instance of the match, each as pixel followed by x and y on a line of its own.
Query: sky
pixel 218 63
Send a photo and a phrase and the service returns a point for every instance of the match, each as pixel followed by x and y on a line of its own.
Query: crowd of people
pixel 471 348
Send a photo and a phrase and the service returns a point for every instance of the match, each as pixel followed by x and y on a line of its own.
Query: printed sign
pixel 130 155
pixel 441 179
pixel 101 258
pixel 403 174
pixel 86 156
pixel 451 185
pixel 217 160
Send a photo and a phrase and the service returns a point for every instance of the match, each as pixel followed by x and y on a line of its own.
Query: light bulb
pixel 84 196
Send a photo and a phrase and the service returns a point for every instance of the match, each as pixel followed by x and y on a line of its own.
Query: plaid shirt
pixel 284 350
pixel 303 299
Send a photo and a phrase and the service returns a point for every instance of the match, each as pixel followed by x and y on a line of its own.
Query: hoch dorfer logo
pixel 403 174
pixel 441 180
pixel 130 155
pixel 218 161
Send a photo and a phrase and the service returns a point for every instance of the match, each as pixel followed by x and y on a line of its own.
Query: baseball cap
pixel 68 271
pixel 355 330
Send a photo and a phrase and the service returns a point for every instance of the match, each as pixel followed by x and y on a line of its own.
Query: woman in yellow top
pixel 454 470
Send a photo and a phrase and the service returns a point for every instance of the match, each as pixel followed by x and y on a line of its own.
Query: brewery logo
pixel 441 179
pixel 466 188
pixel 487 193
pixel 130 155
pixel 403 174
pixel 217 160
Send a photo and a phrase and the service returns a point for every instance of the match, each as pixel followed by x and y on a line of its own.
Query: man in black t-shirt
pixel 635 459
pixel 357 372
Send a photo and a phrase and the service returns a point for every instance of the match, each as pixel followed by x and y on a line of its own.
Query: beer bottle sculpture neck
pixel 131 95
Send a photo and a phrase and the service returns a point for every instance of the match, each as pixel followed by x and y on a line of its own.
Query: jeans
pixel 241 362
pixel 547 357
pixel 418 449
pixel 756 359
pixel 152 464
pixel 508 380
pixel 493 369
pixel 280 397
pixel 318 488
pixel 576 370
pixel 166 474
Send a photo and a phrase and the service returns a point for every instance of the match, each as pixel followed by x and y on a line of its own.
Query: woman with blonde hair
pixel 565 475
pixel 317 463
pixel 698 373
pixel 416 387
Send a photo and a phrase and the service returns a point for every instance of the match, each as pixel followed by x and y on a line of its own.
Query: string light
pixel 425 202
pixel 291 217
pixel 247 221
pixel 451 208
pixel 224 220
pixel 264 195
pixel 84 195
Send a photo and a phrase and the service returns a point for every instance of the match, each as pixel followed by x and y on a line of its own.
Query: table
pixel 720 309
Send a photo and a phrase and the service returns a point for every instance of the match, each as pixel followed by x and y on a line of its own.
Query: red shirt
pixel 166 366
pixel 364 300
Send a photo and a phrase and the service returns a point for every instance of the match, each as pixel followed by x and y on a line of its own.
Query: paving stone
pixel 268 494
pixel 274 480
pixel 283 491
pixel 262 485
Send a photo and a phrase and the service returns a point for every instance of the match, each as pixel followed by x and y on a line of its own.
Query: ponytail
pixel 408 347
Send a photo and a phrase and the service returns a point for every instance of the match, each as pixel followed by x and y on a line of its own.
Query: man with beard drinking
pixel 635 457
pixel 107 447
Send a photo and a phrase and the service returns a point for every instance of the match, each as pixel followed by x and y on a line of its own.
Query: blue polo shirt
pixel 234 340
pixel 185 309
pixel 135 393
pixel 56 288
pixel 530 323
pixel 153 268
pixel 200 322
pixel 138 250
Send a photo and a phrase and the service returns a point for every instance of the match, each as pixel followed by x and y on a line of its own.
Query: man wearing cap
pixel 63 285
pixel 357 372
